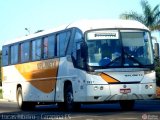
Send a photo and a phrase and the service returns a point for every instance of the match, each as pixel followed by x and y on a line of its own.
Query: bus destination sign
pixel 102 35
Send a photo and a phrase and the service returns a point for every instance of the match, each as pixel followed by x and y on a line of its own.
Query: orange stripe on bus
pixel 108 78
pixel 41 74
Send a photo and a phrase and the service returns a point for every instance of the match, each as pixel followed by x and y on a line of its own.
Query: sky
pixel 16 15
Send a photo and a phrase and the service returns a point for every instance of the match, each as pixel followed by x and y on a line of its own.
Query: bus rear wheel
pixel 21 104
pixel 127 104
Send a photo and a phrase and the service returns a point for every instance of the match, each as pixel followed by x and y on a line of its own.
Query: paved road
pixel 148 110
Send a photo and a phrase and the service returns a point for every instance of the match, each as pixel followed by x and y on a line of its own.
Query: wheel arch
pixel 66 83
pixel 18 85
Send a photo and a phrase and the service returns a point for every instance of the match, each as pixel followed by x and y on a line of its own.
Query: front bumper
pixel 112 92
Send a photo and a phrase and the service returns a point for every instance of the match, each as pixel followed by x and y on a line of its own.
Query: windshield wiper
pixel 122 62
pixel 110 63
pixel 133 59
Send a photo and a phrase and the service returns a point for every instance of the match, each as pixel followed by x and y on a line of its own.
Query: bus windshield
pixel 119 48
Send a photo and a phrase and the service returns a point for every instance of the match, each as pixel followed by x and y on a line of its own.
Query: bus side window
pixel 45 46
pixel 5 54
pixel 49 47
pixel 36 49
pixel 14 54
pixel 62 43
pixel 25 48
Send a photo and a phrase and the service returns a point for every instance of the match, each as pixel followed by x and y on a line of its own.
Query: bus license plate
pixel 125 91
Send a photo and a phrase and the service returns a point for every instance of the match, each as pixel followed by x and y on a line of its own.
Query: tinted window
pixel 5 53
pixel 62 42
pixel 14 54
pixel 45 50
pixel 36 49
pixel 25 52
pixel 49 47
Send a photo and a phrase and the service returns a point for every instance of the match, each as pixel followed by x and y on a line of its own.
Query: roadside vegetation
pixel 150 16
pixel 1 94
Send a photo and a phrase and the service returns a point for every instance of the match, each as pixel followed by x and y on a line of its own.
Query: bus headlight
pixel 101 88
pixel 151 86
pixel 95 87
pixel 148 72
pixel 148 86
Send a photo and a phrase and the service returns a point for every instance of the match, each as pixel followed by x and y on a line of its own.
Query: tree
pixel 150 17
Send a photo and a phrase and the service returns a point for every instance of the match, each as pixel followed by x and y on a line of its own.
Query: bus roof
pixel 85 25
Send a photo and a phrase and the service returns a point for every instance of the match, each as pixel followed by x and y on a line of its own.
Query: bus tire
pixel 20 102
pixel 69 104
pixel 127 104
pixel 61 106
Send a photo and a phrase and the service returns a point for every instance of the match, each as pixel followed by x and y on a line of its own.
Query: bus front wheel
pixel 69 103
pixel 68 98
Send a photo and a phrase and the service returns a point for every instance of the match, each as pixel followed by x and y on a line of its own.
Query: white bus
pixel 89 61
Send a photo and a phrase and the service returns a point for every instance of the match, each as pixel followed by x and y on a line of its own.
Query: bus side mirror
pixel 156 47
pixel 84 50
pixel 156 50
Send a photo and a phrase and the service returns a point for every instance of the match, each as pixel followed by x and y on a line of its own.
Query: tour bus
pixel 88 61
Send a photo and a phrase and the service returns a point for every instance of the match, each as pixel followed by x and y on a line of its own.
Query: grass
pixel 0 93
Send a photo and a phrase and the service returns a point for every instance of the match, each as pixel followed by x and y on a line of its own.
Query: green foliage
pixel 0 93
pixel 150 16
pixel 157 69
